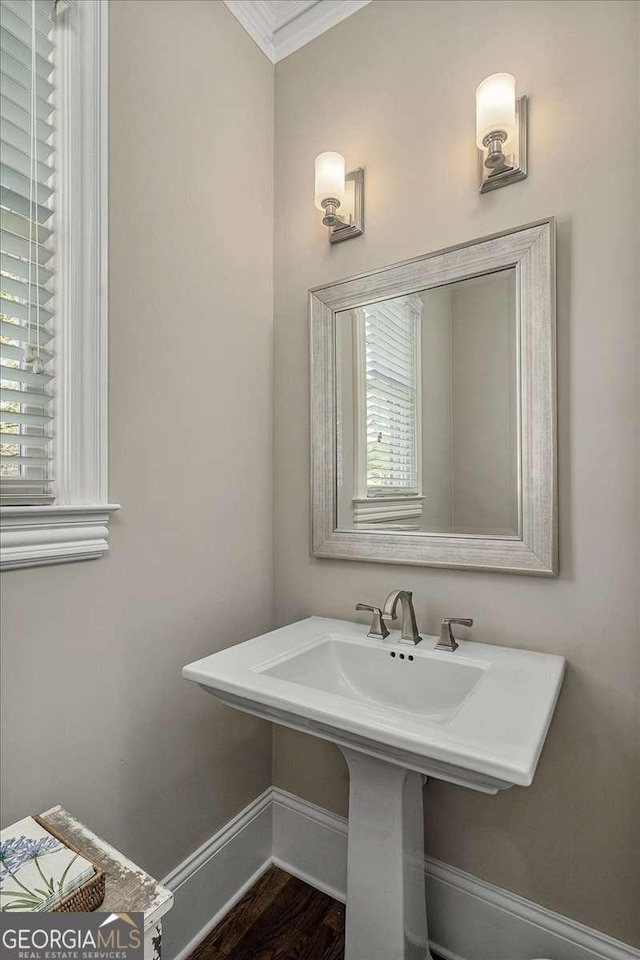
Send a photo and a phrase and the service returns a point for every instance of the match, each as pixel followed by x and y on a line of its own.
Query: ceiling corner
pixel 280 27
pixel 258 19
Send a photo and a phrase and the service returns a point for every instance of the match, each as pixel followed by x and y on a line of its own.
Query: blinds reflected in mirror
pixel 26 249
pixel 391 332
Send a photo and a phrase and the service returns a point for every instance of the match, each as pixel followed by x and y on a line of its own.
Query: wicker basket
pixel 90 895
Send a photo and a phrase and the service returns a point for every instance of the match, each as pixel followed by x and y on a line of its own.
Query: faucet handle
pixel 447 640
pixel 378 627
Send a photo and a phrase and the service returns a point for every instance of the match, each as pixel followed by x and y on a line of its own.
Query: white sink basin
pixel 432 686
pixel 477 717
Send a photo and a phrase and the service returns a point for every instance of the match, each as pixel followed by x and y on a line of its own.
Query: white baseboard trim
pixel 310 843
pixel 469 919
pixel 215 876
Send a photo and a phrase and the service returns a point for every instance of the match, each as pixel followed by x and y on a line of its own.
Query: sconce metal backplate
pixel 354 208
pixel 517 160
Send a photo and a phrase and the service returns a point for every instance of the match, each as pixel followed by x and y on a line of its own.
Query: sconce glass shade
pixel 330 173
pixel 495 106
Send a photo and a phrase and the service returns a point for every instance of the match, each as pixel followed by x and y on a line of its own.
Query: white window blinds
pixel 26 249
pixel 392 336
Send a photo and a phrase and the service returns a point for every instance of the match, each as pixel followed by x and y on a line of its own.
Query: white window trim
pixel 76 527
pixel 388 508
pixel 393 505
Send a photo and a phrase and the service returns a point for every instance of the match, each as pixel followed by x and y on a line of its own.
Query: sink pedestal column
pixel 386 905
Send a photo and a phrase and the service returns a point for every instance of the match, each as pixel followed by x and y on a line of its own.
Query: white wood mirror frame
pixel 531 251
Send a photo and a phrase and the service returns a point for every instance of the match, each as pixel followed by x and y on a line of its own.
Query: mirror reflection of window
pixel 388 468
pixel 391 334
pixel 428 411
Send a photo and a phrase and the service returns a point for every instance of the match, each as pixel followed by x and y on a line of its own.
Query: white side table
pixel 128 888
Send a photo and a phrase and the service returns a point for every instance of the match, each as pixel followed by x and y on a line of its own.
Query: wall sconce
pixel 336 191
pixel 501 132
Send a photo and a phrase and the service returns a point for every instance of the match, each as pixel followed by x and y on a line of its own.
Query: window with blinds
pixel 392 338
pixel 27 249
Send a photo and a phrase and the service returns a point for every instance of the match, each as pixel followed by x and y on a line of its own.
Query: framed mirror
pixel 433 416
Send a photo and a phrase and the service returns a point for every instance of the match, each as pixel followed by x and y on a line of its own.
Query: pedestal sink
pixel 477 717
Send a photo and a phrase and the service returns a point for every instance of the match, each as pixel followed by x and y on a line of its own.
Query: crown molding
pixel 280 27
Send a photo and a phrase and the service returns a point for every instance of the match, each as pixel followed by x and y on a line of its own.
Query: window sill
pixel 35 536
pixel 387 508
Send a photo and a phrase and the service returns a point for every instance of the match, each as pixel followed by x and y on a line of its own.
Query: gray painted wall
pixel 387 88
pixel 95 714
pixel 484 463
pixel 436 343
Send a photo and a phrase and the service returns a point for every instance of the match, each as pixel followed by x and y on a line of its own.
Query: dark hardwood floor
pixel 280 918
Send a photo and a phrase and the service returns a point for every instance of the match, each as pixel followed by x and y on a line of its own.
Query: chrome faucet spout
pixel 409 627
